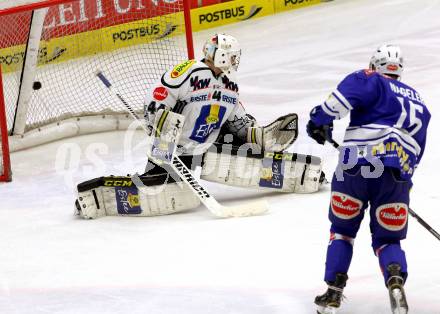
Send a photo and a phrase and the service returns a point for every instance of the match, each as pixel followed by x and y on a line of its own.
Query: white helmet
pixel 387 59
pixel 223 51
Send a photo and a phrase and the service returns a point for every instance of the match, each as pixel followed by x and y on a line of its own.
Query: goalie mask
pixel 387 59
pixel 223 51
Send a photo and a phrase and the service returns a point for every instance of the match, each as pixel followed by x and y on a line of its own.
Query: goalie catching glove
pixel 276 136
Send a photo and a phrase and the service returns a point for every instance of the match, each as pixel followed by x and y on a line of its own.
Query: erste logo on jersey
pixel 345 206
pixel 210 118
pixel 182 68
pixel 392 216
pixel 160 93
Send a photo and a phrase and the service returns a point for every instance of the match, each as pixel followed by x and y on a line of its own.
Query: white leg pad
pixel 154 200
pixel 90 204
pixel 283 172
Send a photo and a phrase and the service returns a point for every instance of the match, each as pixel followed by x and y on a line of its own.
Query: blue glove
pixel 320 133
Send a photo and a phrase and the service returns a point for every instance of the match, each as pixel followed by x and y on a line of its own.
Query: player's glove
pixel 150 112
pixel 320 133
pixel 276 136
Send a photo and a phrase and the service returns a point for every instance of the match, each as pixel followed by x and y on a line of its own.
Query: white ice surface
pixel 192 263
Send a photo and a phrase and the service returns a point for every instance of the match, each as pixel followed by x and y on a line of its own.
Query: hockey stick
pixel 424 224
pixel 411 212
pixel 249 209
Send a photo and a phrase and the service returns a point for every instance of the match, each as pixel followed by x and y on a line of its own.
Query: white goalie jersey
pixel 205 100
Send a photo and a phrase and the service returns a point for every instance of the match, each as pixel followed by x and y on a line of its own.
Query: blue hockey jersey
pixel 388 119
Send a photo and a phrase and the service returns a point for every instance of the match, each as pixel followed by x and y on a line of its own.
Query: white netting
pixel 132 42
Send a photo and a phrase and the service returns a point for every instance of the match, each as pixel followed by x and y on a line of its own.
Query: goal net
pixel 50 51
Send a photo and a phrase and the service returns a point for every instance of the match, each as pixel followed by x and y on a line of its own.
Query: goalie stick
pixel 411 212
pixel 248 209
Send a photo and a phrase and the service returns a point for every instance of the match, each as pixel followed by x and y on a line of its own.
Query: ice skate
pixel 396 290
pixel 330 301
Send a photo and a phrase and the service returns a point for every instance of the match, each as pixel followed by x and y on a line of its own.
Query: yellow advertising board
pixel 145 31
pixel 284 5
pixel 230 12
pixel 92 42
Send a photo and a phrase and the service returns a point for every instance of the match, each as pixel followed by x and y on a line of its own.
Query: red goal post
pixel 5 163
pixel 49 51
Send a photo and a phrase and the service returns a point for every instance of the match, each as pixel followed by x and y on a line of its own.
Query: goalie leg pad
pixel 283 172
pixel 119 196
pixel 90 205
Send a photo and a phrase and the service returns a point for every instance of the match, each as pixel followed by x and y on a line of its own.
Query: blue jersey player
pixel 383 145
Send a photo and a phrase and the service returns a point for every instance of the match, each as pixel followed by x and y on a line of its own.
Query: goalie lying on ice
pixel 194 111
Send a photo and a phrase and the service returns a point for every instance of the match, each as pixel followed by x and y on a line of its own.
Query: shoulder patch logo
pixel 182 68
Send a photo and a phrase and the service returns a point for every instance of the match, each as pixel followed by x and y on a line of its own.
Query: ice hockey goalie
pixel 194 111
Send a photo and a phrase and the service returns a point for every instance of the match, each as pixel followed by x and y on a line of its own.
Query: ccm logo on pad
pixel 345 206
pixel 392 216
